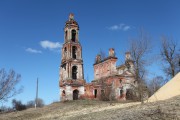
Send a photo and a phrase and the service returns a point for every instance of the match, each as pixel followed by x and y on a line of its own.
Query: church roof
pixel 110 57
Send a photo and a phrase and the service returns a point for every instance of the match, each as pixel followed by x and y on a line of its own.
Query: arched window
pixel 74 72
pixel 74 52
pixel 73 35
pixel 66 35
pixel 65 52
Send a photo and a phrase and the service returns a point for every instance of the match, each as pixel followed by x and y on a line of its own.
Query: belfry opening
pixel 73 33
pixel 74 72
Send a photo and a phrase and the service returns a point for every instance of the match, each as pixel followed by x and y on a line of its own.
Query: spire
pixel 71 16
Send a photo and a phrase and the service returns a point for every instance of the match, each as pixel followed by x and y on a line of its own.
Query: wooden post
pixel 36 94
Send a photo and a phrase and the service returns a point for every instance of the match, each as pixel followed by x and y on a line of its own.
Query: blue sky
pixel 31 35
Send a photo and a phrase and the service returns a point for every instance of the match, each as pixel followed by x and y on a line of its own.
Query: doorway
pixel 95 93
pixel 75 94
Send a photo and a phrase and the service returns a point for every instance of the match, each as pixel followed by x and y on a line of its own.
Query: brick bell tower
pixel 71 69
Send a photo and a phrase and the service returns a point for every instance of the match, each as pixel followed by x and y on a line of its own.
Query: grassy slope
pixel 98 110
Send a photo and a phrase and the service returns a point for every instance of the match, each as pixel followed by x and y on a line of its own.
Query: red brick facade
pixel 110 82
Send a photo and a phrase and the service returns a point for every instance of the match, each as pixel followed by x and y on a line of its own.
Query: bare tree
pixel 139 48
pixel 102 54
pixel 18 105
pixel 156 83
pixel 4 109
pixel 104 89
pixel 40 102
pixel 107 90
pixel 8 82
pixel 30 104
pixel 170 55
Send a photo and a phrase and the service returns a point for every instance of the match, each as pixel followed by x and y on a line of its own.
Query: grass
pixel 101 110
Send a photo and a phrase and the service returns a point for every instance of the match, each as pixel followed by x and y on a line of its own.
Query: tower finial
pixel 71 16
pixel 127 56
pixel 111 52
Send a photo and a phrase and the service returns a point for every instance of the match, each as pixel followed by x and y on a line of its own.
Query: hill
pixel 100 110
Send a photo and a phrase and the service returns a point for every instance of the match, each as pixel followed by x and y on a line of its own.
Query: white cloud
pixel 121 26
pixel 33 50
pixel 46 44
pixel 114 27
pixel 126 28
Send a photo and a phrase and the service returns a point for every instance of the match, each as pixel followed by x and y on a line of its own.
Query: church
pixel 110 82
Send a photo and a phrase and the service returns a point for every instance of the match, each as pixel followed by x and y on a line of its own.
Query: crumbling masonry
pixel 110 82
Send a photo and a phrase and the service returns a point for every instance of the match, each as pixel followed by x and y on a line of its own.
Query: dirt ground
pixel 101 110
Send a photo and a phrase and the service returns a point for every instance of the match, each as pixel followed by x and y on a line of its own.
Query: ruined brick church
pixel 110 82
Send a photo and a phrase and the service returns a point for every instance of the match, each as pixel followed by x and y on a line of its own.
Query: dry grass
pixel 99 110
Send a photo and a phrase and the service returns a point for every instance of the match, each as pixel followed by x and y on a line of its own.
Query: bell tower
pixel 71 69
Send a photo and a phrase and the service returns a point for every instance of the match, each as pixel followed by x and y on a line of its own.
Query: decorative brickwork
pixel 110 82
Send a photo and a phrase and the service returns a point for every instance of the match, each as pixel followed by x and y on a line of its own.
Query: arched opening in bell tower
pixel 74 72
pixel 74 52
pixel 73 35
pixel 66 35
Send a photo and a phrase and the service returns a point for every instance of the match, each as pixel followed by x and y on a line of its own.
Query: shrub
pixel 17 105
